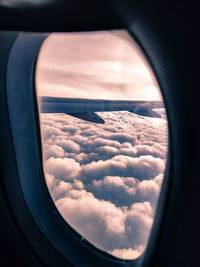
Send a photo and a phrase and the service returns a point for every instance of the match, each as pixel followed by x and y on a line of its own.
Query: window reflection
pixel 103 176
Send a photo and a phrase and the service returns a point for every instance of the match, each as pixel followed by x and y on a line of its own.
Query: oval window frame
pixel 32 44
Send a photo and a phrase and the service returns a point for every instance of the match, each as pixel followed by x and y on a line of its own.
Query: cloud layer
pixel 105 179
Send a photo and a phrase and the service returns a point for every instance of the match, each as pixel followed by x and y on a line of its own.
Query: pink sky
pixel 97 65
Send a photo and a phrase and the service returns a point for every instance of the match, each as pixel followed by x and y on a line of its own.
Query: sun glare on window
pixel 104 137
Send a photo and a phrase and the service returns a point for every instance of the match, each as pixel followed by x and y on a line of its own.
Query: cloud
pixel 121 137
pixel 144 167
pixel 48 131
pixel 149 190
pixel 124 191
pixel 97 220
pixel 105 179
pixel 106 142
pixel 155 150
pixel 65 169
pixel 128 253
pixel 68 145
pixel 60 189
pixel 53 151
pixel 102 223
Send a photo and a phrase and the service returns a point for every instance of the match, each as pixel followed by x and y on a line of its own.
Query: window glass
pixel 104 137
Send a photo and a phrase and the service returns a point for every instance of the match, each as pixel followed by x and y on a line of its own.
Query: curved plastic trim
pixel 24 120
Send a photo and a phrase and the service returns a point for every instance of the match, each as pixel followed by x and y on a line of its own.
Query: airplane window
pixel 104 137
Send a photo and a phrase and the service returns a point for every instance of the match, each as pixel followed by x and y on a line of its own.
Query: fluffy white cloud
pixel 104 224
pixel 47 131
pixel 144 167
pixel 128 253
pixel 65 169
pixel 68 145
pixel 91 217
pixel 124 191
pixel 105 179
pixel 149 190
pixel 53 151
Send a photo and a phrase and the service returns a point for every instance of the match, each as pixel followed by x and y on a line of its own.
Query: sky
pixel 104 179
pixel 105 65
